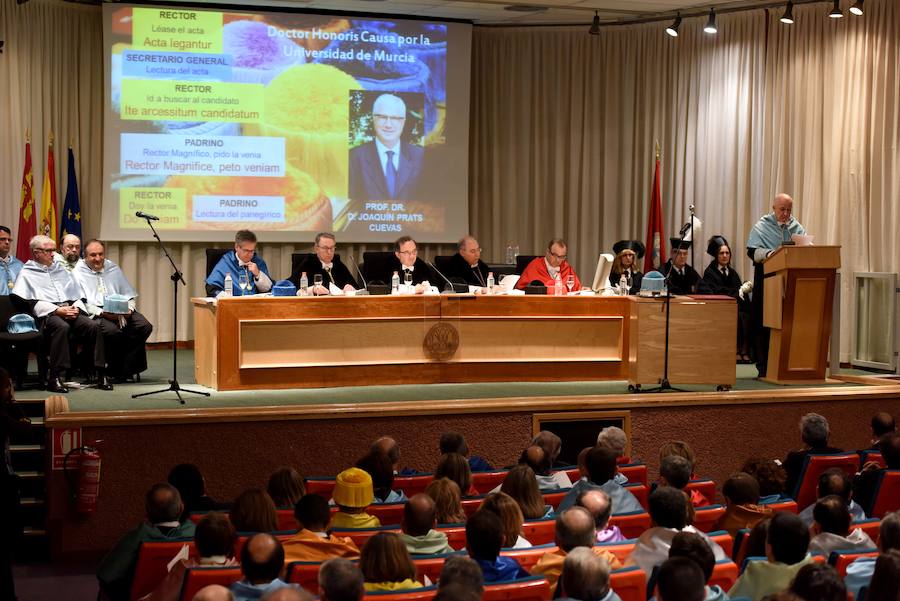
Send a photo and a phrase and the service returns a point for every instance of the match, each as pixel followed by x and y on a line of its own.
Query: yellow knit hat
pixel 353 488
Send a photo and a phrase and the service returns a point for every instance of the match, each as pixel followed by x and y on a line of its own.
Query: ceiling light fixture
pixel 711 24
pixel 595 25
pixel 788 16
pixel 836 12
pixel 672 29
pixel 857 8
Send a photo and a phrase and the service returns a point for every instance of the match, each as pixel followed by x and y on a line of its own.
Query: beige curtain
pixel 563 132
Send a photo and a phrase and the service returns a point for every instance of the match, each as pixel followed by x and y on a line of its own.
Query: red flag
pixel 49 222
pixel 27 216
pixel 656 239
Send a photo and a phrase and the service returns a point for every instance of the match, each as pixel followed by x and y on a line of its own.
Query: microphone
pixel 433 266
pixel 144 215
pixel 684 229
pixel 365 289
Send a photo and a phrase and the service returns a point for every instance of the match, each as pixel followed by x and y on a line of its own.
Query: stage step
pixel 29 460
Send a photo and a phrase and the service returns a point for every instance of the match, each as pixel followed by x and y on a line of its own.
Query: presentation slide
pixel 284 123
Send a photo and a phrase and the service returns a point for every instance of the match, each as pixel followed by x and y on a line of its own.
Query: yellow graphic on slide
pixel 166 203
pixel 177 29
pixel 173 100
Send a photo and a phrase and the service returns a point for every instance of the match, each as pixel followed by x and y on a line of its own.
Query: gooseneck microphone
pixel 144 215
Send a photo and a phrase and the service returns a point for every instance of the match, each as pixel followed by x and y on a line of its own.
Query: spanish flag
pixel 27 216
pixel 49 221
pixel 656 245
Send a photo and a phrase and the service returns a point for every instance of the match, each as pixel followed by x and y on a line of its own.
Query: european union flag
pixel 71 214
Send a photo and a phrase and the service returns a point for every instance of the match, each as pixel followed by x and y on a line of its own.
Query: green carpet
pixel 160 367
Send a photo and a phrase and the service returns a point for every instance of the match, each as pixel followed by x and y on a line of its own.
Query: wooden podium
pixel 797 305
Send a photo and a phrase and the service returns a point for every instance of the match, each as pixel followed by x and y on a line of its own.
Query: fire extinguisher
pixel 84 481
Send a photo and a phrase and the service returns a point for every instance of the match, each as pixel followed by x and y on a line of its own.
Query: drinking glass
pixel 570 283
pixel 244 282
pixel 317 281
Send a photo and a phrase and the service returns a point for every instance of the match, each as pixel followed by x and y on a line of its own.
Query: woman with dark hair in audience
pixel 12 421
pixel 191 485
pixel 286 487
pixel 885 584
pixel 386 564
pixel 755 543
pixel 522 486
pixel 510 516
pixel 254 511
pixel 456 467
pixel 819 582
pixel 448 507
pixel 378 465
pixel 771 477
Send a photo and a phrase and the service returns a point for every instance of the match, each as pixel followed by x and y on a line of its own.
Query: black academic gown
pixel 459 268
pixel 714 282
pixel 421 272
pixel 681 284
pixel 634 286
pixel 340 274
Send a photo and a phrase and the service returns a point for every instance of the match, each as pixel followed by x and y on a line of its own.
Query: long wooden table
pixel 308 342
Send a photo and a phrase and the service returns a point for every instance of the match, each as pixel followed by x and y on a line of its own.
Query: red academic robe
pixel 537 270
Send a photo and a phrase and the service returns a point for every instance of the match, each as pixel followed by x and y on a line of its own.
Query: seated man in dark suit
pixel 685 279
pixel 406 261
pixel 466 265
pixel 814 432
pixel 386 168
pixel 326 264
pixel 866 482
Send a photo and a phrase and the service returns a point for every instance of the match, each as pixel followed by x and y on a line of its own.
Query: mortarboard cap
pixel 679 244
pixel 632 245
pixel 714 244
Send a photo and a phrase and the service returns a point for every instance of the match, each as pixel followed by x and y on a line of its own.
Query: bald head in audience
pixel 536 458
pixel 389 447
pixel 575 528
pixel 419 515
pixel 262 558
pixel 598 503
pixel 287 594
pixel 213 592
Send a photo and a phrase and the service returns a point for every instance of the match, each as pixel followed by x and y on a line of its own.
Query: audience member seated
pixel 741 492
pixel 693 547
pixel 391 448
pixel 286 487
pixel 510 516
pixel 447 499
pixel 461 571
pixel 386 565
pixel 213 592
pixel 164 508
pixel 819 582
pixel 520 484
pixel 834 481
pixel 288 594
pixel 418 524
pixel 254 511
pixel 755 543
pixel 378 466
pixel 771 478
pixel 865 483
pixel 614 439
pixel 186 477
pixel 831 528
pixel 574 528
pixel 881 423
pixel 585 577
pixel 454 442
pixel 352 494
pixel 340 580
pixel 600 505
pixel 456 592
pixel 601 467
pixel 214 538
pixel 814 433
pixel 680 579
pixel 313 542
pixel 537 459
pixel 456 467
pixel 675 471
pixel 786 552
pixel 668 514
pixel 552 445
pixel 883 586
pixel 484 539
pixel 859 573
pixel 582 468
pixel 682 449
pixel 262 559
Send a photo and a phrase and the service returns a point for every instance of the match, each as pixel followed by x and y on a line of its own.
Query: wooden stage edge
pixel 58 414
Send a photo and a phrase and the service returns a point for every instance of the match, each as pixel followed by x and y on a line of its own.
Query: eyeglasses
pixel 390 118
pixel 560 257
pixel 473 250
pixel 327 248
pixel 247 250
pixel 414 251
pixel 44 250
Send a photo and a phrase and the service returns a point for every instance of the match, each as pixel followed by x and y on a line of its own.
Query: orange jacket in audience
pixel 307 545
pixel 550 565
pixel 742 516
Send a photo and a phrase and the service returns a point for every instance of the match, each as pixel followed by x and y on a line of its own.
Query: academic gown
pixel 537 270
pixel 634 280
pixel 421 272
pixel 713 282
pixel 9 271
pixel 215 282
pixel 340 274
pixel 681 284
pixel 474 276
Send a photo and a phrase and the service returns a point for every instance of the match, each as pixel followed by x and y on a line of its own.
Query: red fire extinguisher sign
pixel 64 440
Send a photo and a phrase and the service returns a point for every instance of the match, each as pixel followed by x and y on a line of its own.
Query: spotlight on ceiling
pixel 836 12
pixel 857 9
pixel 711 24
pixel 672 29
pixel 595 25
pixel 788 16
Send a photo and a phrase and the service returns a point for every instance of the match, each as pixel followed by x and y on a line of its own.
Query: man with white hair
pixel 47 290
pixel 814 433
pixel 388 167
pixel 585 575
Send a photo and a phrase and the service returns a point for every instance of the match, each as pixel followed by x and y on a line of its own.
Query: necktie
pixel 390 175
pixel 328 271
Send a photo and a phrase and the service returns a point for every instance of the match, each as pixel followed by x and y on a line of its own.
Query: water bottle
pixel 229 285
pixel 510 257
pixel 490 282
pixel 304 284
pixel 395 283
pixel 558 286
pixel 515 251
pixel 623 285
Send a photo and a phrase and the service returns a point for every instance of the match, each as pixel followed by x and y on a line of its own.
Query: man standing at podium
pixel 770 232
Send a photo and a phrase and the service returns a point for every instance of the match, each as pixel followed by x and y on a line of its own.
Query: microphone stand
pixel 693 241
pixel 176 278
